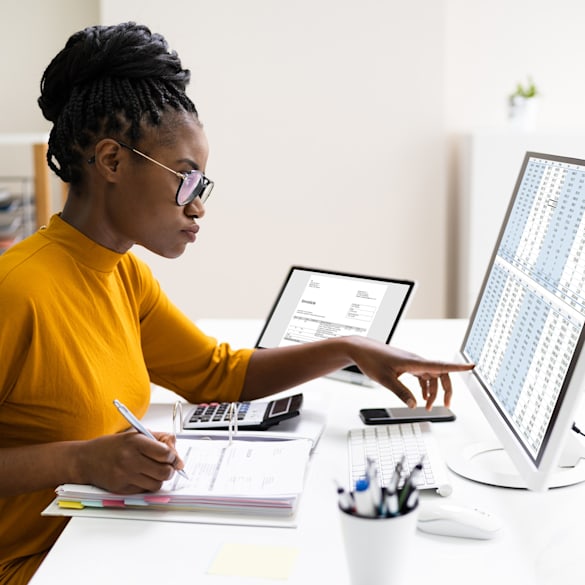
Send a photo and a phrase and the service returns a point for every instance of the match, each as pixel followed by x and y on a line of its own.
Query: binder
pixel 248 480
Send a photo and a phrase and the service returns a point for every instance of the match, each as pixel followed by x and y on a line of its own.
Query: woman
pixel 87 321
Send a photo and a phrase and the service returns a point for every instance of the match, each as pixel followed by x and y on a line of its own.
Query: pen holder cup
pixel 378 549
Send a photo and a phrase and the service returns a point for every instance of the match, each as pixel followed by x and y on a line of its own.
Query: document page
pixel 218 473
pixel 246 468
pixel 332 307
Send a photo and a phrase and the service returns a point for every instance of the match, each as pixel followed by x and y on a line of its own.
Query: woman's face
pixel 141 208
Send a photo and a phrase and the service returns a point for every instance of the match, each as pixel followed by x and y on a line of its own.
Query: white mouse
pixel 450 519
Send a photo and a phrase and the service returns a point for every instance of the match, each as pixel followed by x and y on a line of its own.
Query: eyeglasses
pixel 193 183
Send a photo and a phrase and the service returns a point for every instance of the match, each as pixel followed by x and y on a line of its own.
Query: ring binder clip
pixel 233 410
pixel 177 417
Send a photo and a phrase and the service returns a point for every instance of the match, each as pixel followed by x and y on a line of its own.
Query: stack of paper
pixel 246 476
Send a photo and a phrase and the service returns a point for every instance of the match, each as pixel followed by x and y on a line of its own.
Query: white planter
pixel 523 112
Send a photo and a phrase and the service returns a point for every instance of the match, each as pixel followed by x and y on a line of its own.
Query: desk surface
pixel 540 542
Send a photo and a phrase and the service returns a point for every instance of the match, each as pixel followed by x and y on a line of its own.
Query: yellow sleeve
pixel 180 357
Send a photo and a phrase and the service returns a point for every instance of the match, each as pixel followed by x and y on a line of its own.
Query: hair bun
pixel 126 50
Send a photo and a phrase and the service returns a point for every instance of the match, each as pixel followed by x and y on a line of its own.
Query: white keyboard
pixel 387 444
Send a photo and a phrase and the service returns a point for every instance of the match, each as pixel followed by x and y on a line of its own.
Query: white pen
pixel 375 489
pixel 364 505
pixel 140 428
pixel 392 503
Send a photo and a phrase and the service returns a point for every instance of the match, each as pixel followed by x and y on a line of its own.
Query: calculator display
pixel 280 406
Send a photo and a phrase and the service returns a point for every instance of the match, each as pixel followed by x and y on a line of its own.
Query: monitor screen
pixel 526 332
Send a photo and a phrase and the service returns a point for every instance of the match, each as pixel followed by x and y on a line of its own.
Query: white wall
pixel 489 47
pixel 325 124
pixel 33 32
pixel 330 124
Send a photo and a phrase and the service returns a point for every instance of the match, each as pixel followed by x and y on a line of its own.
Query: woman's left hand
pixel 385 364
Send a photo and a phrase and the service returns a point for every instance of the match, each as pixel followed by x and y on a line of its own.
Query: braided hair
pixel 108 80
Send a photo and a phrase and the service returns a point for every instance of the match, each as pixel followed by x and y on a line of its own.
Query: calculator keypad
pixel 255 414
pixel 217 412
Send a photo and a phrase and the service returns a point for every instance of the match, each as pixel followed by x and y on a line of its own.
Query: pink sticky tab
pixel 157 499
pixel 114 503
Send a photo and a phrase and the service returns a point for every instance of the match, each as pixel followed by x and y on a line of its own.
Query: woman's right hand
pixel 128 462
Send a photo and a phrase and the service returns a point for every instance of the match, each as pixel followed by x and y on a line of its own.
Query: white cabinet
pixel 488 164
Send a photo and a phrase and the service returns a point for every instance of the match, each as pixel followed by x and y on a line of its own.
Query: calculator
pixel 252 415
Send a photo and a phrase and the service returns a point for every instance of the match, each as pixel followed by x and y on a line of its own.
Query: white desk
pixel 539 544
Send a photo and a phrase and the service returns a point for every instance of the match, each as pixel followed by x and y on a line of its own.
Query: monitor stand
pixel 488 463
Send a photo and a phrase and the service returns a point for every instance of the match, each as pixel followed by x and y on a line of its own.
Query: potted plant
pixel 523 105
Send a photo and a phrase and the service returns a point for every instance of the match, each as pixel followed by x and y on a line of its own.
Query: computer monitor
pixel 526 333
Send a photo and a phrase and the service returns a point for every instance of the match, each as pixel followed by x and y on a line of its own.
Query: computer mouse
pixel 449 519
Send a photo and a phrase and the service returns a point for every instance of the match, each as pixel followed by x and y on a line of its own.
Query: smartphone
pixel 388 416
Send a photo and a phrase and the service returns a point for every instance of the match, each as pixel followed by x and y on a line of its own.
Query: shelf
pixel 41 171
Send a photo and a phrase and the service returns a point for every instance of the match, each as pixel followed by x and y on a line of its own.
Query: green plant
pixel 525 91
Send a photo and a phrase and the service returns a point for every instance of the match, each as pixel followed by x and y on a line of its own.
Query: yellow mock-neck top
pixel 81 325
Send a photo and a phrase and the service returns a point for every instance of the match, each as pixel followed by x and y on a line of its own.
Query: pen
pixel 345 499
pixel 411 502
pixel 383 506
pixel 392 503
pixel 409 486
pixel 375 491
pixel 364 505
pixel 140 428
pixel 397 475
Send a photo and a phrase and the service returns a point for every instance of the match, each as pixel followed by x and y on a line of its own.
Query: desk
pixel 539 544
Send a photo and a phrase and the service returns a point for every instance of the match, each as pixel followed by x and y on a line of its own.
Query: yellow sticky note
pixel 254 560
